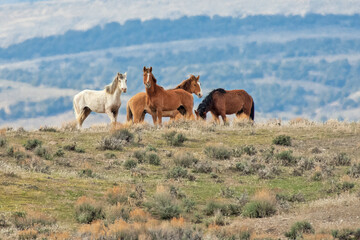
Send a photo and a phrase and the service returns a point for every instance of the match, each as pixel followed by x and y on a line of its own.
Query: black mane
pixel 205 105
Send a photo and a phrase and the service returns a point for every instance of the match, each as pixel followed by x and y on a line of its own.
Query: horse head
pixel 200 113
pixel 122 81
pixel 196 85
pixel 148 77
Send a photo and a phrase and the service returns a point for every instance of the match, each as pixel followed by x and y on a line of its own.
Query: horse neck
pixel 152 90
pixel 117 92
pixel 185 86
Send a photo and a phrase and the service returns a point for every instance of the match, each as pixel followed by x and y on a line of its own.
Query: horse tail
pixel 129 114
pixel 252 113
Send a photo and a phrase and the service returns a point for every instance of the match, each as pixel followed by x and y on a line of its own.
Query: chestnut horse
pixel 221 102
pixel 158 99
pixel 136 107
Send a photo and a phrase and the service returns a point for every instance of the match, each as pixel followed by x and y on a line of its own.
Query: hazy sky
pixel 24 19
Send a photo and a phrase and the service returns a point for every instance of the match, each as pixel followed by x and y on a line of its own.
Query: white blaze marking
pixel 200 89
pixel 148 78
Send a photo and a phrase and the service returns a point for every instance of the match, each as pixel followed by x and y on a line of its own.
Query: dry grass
pixel 265 195
pixel 55 188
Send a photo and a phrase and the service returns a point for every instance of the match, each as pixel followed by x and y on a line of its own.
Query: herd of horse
pixel 175 103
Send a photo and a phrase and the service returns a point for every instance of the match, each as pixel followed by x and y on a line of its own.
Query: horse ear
pixel 125 74
pixel 144 69
pixel 150 69
pixel 198 77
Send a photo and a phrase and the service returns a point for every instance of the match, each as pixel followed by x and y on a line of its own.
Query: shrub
pixel 297 230
pixel 163 206
pixel 24 220
pixel 174 139
pixel 110 155
pixel 218 219
pixel 185 159
pixel 86 210
pixel 74 148
pixel 346 234
pixel 42 152
pixel 175 232
pixel 123 135
pixel 316 150
pixel 129 164
pixel 237 152
pixel 117 195
pixel 346 186
pixel 110 143
pixel 342 159
pixel 3 141
pixel 10 151
pixel 259 209
pixel 202 167
pixel 212 207
pixel 116 212
pixel 306 164
pixel 188 205
pixel 59 153
pixel 299 197
pixel 268 154
pixel 317 176
pixel 153 159
pixel 47 129
pixel 249 150
pixel 151 148
pixel 86 173
pixel 140 156
pixel 220 152
pixel 28 234
pixel 286 158
pixel 177 173
pixel 176 192
pixel 282 140
pixel 32 144
pixel 354 171
pixel 19 155
pixel 269 172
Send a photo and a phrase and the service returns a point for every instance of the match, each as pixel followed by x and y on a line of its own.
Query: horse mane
pixel 184 84
pixel 112 86
pixel 154 78
pixel 205 105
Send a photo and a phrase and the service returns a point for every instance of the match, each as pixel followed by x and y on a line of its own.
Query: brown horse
pixel 159 100
pixel 221 102
pixel 136 107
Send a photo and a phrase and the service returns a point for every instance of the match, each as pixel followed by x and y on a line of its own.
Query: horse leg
pixel 115 113
pixel 215 118
pixel 223 116
pixel 159 116
pixel 110 115
pixel 154 116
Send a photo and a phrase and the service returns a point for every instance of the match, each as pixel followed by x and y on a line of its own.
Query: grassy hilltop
pixel 186 180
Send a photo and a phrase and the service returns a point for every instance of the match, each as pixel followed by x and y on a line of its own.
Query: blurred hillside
pixel 291 65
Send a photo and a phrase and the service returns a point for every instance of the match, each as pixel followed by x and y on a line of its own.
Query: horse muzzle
pixel 199 95
pixel 124 90
pixel 147 85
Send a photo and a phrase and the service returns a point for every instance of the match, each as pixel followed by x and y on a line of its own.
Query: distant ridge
pixel 135 32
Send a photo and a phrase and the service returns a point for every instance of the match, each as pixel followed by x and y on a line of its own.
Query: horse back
pixel 237 100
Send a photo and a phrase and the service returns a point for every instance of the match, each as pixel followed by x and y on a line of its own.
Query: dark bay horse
pixel 159 100
pixel 136 107
pixel 221 102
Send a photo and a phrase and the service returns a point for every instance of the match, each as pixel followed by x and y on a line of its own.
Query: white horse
pixel 104 101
